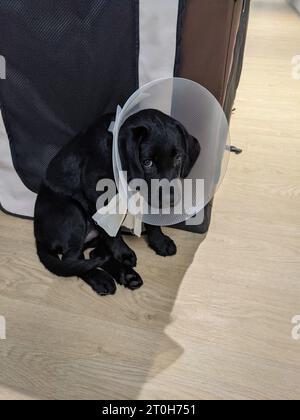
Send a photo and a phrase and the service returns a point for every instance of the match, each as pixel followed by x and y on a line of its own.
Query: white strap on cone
pixel 115 215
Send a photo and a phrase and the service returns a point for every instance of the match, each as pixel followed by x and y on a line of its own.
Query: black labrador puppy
pixel 154 146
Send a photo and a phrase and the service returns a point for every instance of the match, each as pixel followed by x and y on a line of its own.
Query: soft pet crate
pixel 67 62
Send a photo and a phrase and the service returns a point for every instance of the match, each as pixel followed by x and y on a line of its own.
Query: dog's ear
pixel 130 140
pixel 192 151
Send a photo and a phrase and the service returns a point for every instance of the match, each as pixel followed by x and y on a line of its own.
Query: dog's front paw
pixel 164 246
pixel 126 256
pixel 101 282
pixel 130 279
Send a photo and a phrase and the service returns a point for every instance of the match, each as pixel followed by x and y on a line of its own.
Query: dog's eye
pixel 148 164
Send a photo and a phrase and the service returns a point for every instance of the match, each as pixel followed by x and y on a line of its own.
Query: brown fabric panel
pixel 208 42
pixel 232 43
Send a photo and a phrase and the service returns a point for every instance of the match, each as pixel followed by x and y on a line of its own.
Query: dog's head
pixel 155 146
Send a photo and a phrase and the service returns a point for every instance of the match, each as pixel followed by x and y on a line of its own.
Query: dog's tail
pixel 67 268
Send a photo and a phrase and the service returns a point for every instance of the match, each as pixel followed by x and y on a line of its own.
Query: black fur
pixel 67 198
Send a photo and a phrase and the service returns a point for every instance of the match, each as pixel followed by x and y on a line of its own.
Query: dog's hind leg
pixel 123 274
pixel 91 244
pixel 120 250
pixel 100 281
